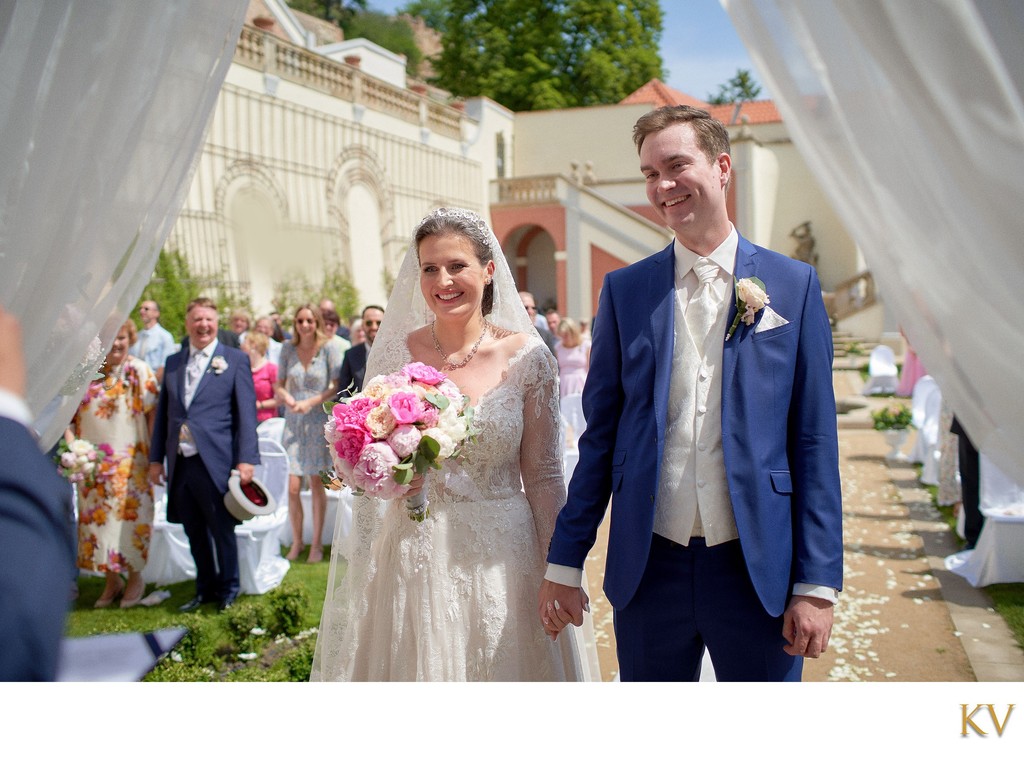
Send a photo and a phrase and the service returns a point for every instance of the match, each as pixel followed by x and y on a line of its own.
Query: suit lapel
pixel 746 266
pixel 662 289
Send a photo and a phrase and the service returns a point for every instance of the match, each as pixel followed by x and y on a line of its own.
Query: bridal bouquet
pixel 81 461
pixel 400 425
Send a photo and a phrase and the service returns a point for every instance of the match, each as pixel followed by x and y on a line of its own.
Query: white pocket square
pixel 770 320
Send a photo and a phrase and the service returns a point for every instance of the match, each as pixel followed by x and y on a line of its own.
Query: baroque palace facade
pixel 322 152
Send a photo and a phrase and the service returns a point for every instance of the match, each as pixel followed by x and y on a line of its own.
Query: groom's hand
pixel 559 605
pixel 807 625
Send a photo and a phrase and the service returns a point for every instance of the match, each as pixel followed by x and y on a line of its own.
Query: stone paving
pixel 902 617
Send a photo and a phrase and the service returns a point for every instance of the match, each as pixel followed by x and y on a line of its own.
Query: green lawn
pixel 220 646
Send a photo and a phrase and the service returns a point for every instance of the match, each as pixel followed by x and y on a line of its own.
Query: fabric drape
pixel 103 105
pixel 910 116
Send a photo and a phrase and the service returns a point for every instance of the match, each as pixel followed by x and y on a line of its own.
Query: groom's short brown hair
pixel 712 138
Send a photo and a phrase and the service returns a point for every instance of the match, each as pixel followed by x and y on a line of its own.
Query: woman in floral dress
pixel 306 377
pixel 115 508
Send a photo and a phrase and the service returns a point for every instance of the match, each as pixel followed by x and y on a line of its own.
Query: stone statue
pixel 804 244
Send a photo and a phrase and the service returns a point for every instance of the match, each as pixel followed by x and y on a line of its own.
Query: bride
pixel 454 597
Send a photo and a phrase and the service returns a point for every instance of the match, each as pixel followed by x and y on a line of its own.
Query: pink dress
pixel 572 368
pixel 263 380
pixel 911 372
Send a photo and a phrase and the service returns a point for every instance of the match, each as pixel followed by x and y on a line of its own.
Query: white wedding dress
pixel 455 597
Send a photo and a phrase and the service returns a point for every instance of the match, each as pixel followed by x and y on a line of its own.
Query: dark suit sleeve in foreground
pixel 38 555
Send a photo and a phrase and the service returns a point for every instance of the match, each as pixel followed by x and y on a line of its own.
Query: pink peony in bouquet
pixel 400 425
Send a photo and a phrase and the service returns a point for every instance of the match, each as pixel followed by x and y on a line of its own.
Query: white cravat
pixel 703 307
pixel 193 373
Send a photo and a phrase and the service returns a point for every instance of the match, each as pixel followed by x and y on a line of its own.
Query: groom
pixel 714 436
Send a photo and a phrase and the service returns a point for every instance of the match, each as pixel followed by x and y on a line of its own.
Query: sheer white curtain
pixel 103 105
pixel 909 113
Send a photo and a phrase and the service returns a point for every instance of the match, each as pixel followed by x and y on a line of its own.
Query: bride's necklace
pixel 448 364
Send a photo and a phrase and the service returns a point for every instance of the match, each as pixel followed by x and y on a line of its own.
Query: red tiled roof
pixel 752 111
pixel 659 94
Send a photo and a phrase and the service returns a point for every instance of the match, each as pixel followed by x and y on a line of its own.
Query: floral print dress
pixel 115 513
pixel 304 433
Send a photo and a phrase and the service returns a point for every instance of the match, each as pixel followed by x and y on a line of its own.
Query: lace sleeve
pixel 540 453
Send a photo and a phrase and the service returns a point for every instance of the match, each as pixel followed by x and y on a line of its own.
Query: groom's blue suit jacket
pixel 779 434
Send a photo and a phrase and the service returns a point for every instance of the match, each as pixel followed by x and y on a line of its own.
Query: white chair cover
pixel 272 428
pixel 260 564
pixel 575 422
pixel 930 436
pixel 924 389
pixel 883 374
pixel 337 522
pixel 999 554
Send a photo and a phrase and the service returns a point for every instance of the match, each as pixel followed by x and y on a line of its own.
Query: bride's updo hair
pixel 462 223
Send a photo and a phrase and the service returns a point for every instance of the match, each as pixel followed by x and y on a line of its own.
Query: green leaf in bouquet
pixel 422 465
pixel 328 405
pixel 429 448
pixel 403 474
pixel 437 400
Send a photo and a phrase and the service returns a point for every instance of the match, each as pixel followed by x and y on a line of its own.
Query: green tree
pixel 740 88
pixel 335 284
pixel 537 54
pixel 390 33
pixel 172 286
pixel 338 11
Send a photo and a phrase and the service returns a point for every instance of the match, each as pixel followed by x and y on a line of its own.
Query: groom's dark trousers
pixel 701 596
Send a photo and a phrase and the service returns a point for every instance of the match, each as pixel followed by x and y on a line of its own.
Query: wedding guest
pixel 115 507
pixel 538 321
pixel 205 428
pixel 155 343
pixel 306 378
pixel 341 330
pixel 240 322
pixel 353 365
pixel 331 325
pixel 358 334
pixel 264 375
pixel 265 325
pixel 712 431
pixel 573 358
pixel 280 333
pixel 552 318
pixel 970 485
pixel 35 504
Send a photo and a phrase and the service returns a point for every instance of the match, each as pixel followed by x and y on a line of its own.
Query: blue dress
pixel 304 433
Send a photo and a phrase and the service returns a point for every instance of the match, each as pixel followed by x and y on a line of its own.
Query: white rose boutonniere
pixel 218 364
pixel 750 298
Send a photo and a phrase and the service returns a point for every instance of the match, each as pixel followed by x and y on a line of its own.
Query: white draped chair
pixel 929 437
pixel 883 375
pixel 337 521
pixel 922 408
pixel 999 555
pixel 572 414
pixel 260 564
pixel 272 428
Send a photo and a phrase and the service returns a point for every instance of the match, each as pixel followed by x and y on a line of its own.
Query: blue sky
pixel 699 47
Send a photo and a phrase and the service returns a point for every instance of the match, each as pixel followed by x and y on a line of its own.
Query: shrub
pixel 288 606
